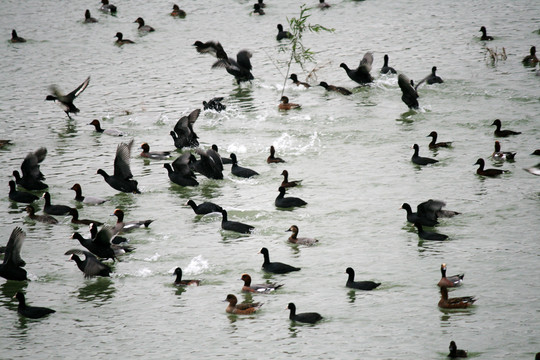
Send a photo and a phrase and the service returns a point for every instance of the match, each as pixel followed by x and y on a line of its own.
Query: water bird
pixel 88 19
pixel 282 34
pixel 431 79
pixel 142 27
pixel 122 178
pixel 323 5
pixel 214 104
pixel 31 172
pixel 502 155
pixel 487 172
pixel 485 36
pixel 15 38
pixel 54 209
pixel 179 282
pixel 12 266
pixel 286 105
pixel 111 132
pixel 296 82
pixel 272 158
pixel 536 152
pixel 224 160
pixel 261 3
pixel 75 218
pixel 156 155
pixel 123 226
pixel 502 133
pixel 434 144
pixel 66 101
pixel 307 317
pixel 531 59
pixel 183 134
pixel 454 303
pixel 454 351
pixel 4 142
pixel 204 208
pixel 419 160
pixel 239 170
pixel 239 68
pixel 178 12
pixel 241 309
pixel 287 202
pixel 180 173
pixel 20 196
pixel 427 235
pixel 257 10
pixel 286 183
pixel 387 69
pixel 90 266
pixel 414 217
pixel 121 41
pixel 433 210
pixel 32 312
pixel 334 88
pixel 47 219
pixel 361 285
pixel 258 288
pixel 209 164
pixel 409 95
pixel 106 7
pixel 234 225
pixel 450 281
pixel 300 240
pixel 88 200
pixel 100 245
pixel 275 267
pixel 210 47
pixel 535 170
pixel 361 74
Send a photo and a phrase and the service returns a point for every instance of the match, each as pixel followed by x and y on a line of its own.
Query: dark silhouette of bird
pixel 239 68
pixel 282 34
pixel 431 79
pixel 31 173
pixel 12 266
pixel 183 134
pixel 90 266
pixel 32 312
pixel 122 178
pixel 334 88
pixel 180 172
pixel 485 36
pixel 409 95
pixel 361 74
pixel 16 38
pixel 387 69
pixel 66 101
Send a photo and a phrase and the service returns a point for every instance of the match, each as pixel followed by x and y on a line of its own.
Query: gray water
pixel 353 154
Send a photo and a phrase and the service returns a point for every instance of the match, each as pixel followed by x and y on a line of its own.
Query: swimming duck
pixel 275 267
pixel 178 12
pixel 124 226
pixel 224 160
pixel 122 178
pixel 272 158
pixel 47 219
pixel 502 133
pixel 20 196
pixel 300 240
pixel 180 173
pixel 531 59
pixel 485 36
pixel 535 170
pixel 88 19
pixel 361 74
pixel 32 312
pixel 209 164
pixel 121 41
pixel 12 266
pixel 487 172
pixel 414 217
pixel 323 5
pixel 66 101
pixel 307 317
pixel 90 266
pixel 287 202
pixel 286 183
pixel 258 288
pixel 4 142
pixel 361 285
pixel 234 225
pixel 454 303
pixel 239 68
pixel 75 218
pixel 183 134
pixel 454 351
pixel 333 88
pixel 409 95
pixel 179 282
pixel 257 9
pixel 450 281
pixel 241 309
pixel 106 7
pixel 387 69
pixel 31 173
pixel 434 144
pixel 431 79
pixel 427 235
pixel 54 209
pixel 286 105
pixel 89 200
pixel 157 155
pixel 142 27
pixel 419 160
pixel 239 170
pixel 296 82
pixel 502 155
pixel 15 38
pixel 204 208
pixel 111 132
pixel 282 34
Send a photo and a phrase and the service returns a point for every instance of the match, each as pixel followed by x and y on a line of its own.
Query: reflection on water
pixel 352 296
pixel 99 291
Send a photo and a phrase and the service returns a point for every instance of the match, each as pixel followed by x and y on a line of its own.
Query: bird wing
pixel 103 237
pixel 72 95
pixel 182 127
pixel 242 58
pixel 405 86
pixel 193 116
pixel 428 209
pixel 181 164
pixel 121 160
pixel 30 165
pixel 366 61
pixel 13 247
pixel 215 157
